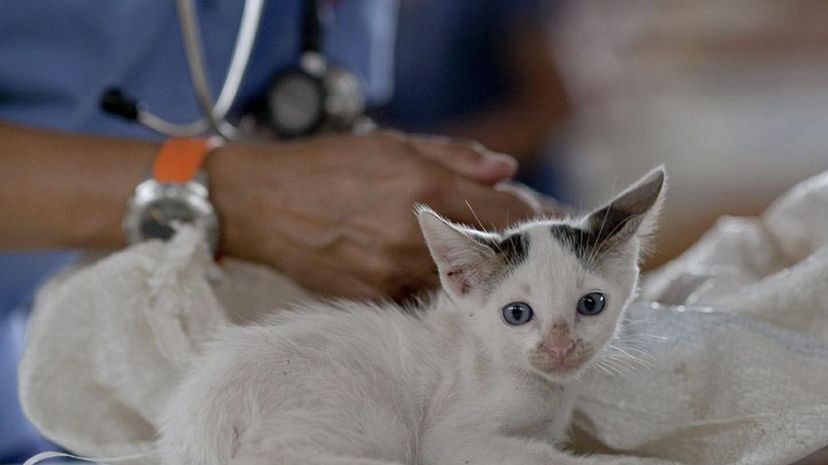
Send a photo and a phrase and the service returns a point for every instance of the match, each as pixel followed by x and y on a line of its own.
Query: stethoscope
pixel 307 98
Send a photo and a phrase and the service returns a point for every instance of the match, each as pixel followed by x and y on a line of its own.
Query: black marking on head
pixel 578 241
pixel 616 223
pixel 513 249
pixel 600 234
pixel 509 252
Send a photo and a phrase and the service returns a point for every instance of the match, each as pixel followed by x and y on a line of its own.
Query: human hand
pixel 335 213
pixel 542 205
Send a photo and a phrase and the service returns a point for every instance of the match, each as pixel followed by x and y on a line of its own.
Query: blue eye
pixel 517 313
pixel 591 304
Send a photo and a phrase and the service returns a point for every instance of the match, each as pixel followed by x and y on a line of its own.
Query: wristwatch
pixel 175 193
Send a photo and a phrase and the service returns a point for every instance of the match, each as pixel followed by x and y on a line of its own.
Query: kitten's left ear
pixel 631 214
pixel 464 260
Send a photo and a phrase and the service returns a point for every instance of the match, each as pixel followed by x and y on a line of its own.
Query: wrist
pixel 109 196
pixel 236 175
pixel 175 193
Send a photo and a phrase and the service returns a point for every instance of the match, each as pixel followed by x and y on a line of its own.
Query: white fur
pixel 446 384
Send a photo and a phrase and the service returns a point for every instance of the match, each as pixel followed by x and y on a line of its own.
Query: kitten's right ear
pixel 463 262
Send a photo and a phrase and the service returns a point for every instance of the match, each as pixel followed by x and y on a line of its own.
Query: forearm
pixel 333 212
pixel 66 191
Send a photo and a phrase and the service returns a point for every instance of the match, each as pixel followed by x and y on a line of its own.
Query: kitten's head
pixel 548 295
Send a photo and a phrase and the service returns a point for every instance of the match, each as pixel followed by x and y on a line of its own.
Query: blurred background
pixel 731 96
pixel 589 94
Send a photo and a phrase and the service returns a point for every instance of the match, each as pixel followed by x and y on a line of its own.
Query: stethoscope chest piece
pixel 313 96
pixel 310 97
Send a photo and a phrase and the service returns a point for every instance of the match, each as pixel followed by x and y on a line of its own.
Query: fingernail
pixel 494 158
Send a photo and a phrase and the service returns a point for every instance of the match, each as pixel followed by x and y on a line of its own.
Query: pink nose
pixel 560 350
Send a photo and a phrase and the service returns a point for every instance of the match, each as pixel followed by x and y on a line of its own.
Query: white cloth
pixel 108 340
pixel 737 372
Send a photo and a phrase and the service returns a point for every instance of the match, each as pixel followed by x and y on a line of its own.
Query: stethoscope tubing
pixel 213 113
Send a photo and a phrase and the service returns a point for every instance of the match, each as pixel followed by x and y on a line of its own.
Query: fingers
pixel 483 207
pixel 524 193
pixel 555 209
pixel 542 205
pixel 466 158
pixel 371 268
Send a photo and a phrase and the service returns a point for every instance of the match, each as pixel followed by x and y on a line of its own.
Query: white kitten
pixel 486 373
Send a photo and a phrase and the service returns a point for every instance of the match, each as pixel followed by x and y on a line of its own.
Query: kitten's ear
pixel 633 213
pixel 463 259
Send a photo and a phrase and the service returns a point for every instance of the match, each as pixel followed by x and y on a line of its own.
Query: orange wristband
pixel 180 159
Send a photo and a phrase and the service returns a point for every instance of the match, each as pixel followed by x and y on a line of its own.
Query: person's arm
pixel 66 191
pixel 335 213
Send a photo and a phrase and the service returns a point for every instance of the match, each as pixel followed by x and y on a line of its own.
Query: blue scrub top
pixel 451 58
pixel 58 56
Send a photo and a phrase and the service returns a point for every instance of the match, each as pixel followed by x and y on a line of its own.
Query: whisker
pixel 476 218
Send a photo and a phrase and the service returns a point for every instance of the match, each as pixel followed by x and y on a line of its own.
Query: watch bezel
pixel 193 194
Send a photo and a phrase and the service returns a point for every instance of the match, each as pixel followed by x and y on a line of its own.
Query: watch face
pixel 157 218
pixel 157 209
